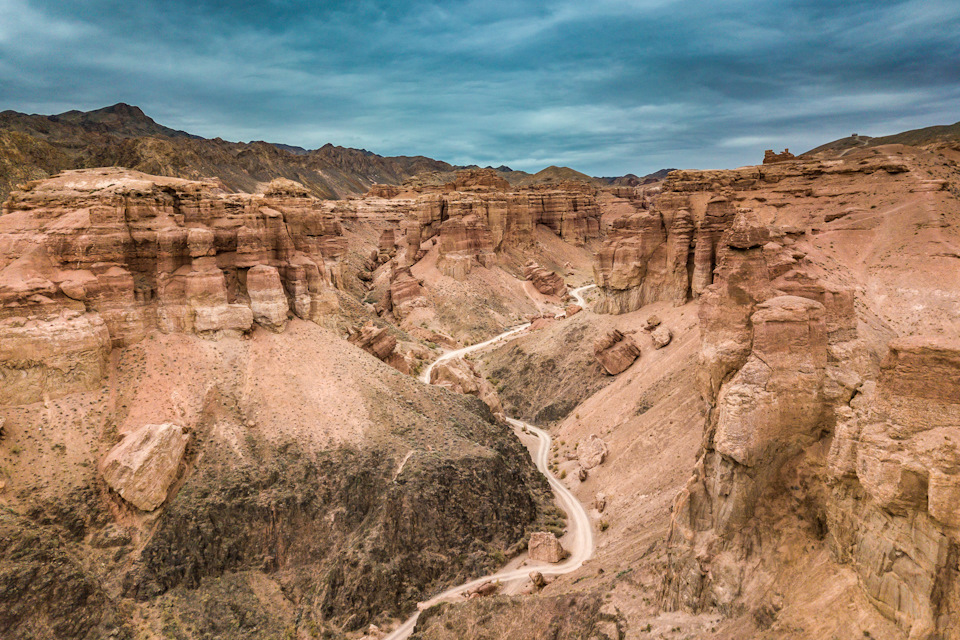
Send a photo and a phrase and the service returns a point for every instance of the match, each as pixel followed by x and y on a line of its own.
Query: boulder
pixel 145 463
pixel 537 579
pixel 661 337
pixel 615 352
pixel 544 547
pixel 592 452
pixel 600 502
pixel 483 589
pixel 572 309
pixel 545 281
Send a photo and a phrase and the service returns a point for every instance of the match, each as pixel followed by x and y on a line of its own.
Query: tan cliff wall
pixel 477 217
pixel 810 442
pixel 669 252
pixel 97 258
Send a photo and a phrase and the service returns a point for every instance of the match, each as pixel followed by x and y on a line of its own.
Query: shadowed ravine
pixel 580 543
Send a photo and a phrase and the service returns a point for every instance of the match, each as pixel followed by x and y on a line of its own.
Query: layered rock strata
pixel 669 251
pixel 547 282
pixel 615 352
pixel 94 259
pixel 461 376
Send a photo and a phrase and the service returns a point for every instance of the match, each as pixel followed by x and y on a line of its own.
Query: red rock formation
pixel 472 227
pixel 545 281
pixel 383 191
pixel 802 421
pixel 405 293
pixel 477 180
pixel 377 341
pixel 111 252
pixel 669 252
pixel 769 157
pixel 616 352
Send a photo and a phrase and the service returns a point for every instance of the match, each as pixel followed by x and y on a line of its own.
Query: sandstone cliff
pixel 98 258
pixel 669 252
pixel 817 421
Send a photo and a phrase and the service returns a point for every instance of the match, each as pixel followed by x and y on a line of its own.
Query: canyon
pixel 241 408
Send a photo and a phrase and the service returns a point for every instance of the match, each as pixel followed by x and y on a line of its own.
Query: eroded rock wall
pixel 94 259
pixel 809 438
pixel 669 251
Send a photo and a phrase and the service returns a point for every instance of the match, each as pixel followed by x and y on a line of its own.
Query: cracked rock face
pixel 144 465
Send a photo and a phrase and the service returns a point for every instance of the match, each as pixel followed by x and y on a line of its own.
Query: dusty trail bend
pixel 579 540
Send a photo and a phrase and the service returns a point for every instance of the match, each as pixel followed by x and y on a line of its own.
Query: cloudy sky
pixel 604 86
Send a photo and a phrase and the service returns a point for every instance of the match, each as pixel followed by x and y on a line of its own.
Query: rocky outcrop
pixel 770 157
pixel 545 281
pixel 461 376
pixel 142 467
pixel 894 467
pixel 544 547
pixel 50 356
pixel 802 422
pixel 475 218
pixel 477 180
pixel 405 294
pixel 377 341
pixel 116 253
pixel 615 352
pixel 267 299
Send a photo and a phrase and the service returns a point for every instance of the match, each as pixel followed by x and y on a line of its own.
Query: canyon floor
pixel 229 415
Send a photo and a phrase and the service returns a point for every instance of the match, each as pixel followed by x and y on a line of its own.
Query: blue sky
pixel 604 86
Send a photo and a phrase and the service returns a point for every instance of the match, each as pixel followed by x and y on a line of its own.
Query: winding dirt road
pixel 579 539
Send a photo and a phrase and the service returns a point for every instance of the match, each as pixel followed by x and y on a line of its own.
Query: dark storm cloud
pixel 606 86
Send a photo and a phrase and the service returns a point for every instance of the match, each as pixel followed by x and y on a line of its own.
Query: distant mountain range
pixel 36 146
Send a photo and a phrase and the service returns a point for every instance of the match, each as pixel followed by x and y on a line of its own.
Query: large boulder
pixel 544 547
pixel 144 465
pixel 592 452
pixel 661 337
pixel 375 340
pixel 615 352
pixel 545 281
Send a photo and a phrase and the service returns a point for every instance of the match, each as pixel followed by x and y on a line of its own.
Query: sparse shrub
pixel 603 525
